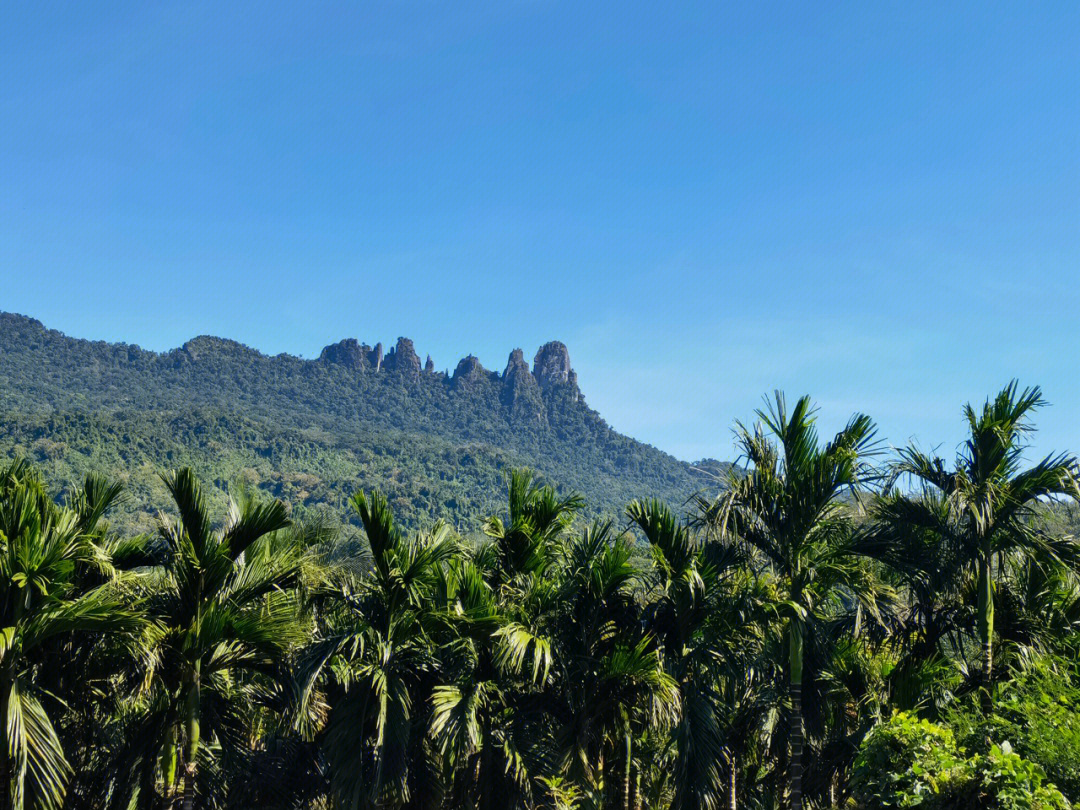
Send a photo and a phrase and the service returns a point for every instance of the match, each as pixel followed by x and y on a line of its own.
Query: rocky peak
pixel 429 365
pixel 403 358
pixel 348 353
pixel 468 370
pixel 551 367
pixel 515 363
pixel 377 357
pixel 520 391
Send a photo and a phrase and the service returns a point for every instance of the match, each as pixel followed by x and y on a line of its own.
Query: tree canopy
pixel 814 633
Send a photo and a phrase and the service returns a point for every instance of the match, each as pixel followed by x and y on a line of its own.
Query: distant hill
pixel 313 431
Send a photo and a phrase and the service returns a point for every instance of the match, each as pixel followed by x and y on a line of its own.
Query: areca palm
pixel 917 540
pixel 745 683
pixel 490 713
pixel 374 668
pixel 611 682
pixel 985 504
pixel 228 610
pixel 103 664
pixel 787 506
pixel 701 627
pixel 1037 606
pixel 42 600
pixel 527 542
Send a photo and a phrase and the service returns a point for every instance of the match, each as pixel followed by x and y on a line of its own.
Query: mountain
pixel 314 431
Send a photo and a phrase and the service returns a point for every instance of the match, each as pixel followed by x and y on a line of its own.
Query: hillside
pixel 312 431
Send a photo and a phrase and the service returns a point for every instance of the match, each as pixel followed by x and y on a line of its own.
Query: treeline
pixel 832 628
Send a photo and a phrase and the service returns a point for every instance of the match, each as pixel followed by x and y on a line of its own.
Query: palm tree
pixel 987 502
pixel 228 608
pixel 106 665
pixel 528 542
pixel 374 668
pixel 1036 607
pixel 42 550
pixel 492 713
pixel 610 681
pixel 787 506
pixel 745 679
pixel 698 619
pixel 918 542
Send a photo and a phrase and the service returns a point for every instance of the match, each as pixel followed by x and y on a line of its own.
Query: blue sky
pixel 874 203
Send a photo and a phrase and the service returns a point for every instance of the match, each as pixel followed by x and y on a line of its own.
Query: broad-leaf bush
pixel 1035 712
pixel 911 762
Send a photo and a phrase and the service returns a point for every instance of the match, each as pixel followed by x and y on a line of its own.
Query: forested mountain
pixel 314 431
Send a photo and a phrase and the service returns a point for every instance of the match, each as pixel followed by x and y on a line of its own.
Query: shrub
pixel 1035 710
pixel 1006 781
pixel 909 762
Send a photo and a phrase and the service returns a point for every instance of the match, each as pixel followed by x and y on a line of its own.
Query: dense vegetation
pixel 832 628
pixel 314 431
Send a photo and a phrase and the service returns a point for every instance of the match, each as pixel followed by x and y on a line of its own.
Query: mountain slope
pixel 313 431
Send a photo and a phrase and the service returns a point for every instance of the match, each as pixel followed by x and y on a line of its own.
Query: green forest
pixel 312 432
pixel 827 624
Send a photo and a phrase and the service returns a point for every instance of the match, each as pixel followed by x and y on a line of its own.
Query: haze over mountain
pixel 312 431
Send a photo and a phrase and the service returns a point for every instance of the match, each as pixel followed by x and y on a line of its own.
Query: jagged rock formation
pixel 520 391
pixel 468 372
pixel 348 353
pixel 551 368
pixel 404 359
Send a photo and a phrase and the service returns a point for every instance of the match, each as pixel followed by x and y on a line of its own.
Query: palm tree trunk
pixel 986 623
pixel 485 766
pixel 629 768
pixel 601 769
pixel 5 758
pixel 795 639
pixel 192 721
pixel 733 796
pixel 7 684
pixel 168 765
pixel 189 786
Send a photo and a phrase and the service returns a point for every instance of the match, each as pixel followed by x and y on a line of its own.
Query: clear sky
pixel 874 203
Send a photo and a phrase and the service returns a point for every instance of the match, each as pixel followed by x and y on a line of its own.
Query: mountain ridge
pixel 452 435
